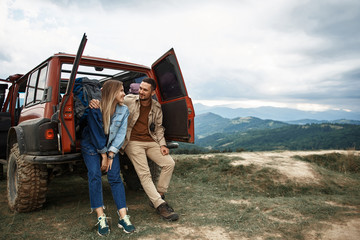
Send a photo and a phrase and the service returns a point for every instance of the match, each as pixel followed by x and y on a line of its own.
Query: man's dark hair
pixel 151 82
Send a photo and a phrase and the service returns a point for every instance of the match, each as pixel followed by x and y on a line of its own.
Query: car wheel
pixel 26 183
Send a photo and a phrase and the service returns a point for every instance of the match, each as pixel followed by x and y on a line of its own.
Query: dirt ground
pixel 284 162
pixel 303 173
pixel 291 169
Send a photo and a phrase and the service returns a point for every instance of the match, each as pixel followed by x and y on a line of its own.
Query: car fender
pixel 16 135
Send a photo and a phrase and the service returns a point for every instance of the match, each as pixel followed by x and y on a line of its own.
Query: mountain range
pixel 278 114
pixel 290 137
pixel 207 124
pixel 217 133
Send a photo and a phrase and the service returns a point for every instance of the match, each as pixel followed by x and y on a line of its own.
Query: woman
pixel 104 136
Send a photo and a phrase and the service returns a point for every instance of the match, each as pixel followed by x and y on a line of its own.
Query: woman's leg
pixel 117 186
pixel 118 191
pixel 92 162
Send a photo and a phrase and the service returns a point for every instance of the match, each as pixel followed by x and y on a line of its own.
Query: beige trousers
pixel 137 152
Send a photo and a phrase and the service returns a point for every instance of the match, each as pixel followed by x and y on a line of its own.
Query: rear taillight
pixel 49 134
pixel 48 140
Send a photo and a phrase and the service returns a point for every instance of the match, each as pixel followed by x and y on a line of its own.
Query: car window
pixel 36 86
pixel 41 84
pixel 100 73
pixel 3 93
pixel 31 88
pixel 168 78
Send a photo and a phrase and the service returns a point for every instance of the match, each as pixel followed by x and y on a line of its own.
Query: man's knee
pixel 144 176
pixel 168 166
pixel 172 163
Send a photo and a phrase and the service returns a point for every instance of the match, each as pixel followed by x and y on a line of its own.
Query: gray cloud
pixel 297 52
pixel 4 55
pixel 336 24
pixel 335 21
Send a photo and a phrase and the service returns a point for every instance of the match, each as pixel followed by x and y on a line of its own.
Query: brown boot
pixel 152 205
pixel 166 212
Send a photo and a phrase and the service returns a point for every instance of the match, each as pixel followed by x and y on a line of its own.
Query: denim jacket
pixel 94 136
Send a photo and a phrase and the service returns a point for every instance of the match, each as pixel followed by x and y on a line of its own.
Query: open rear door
pixel 66 115
pixel 177 107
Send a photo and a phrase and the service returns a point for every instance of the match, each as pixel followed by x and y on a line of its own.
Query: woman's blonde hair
pixel 108 104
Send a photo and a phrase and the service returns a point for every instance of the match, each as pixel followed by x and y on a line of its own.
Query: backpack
pixel 85 90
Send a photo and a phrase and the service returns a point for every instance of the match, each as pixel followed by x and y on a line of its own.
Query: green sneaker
pixel 126 225
pixel 103 229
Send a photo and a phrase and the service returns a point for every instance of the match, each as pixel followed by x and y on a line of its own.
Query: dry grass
pixel 216 199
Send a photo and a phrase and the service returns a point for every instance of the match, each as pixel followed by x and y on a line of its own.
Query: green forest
pixel 289 137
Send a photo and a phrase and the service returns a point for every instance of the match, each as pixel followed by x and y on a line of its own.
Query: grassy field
pixel 215 199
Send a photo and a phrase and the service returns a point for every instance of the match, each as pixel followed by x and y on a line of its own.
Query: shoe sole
pixel 120 226
pixel 103 235
pixel 171 218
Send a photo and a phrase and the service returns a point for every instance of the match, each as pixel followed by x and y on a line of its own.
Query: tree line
pixel 291 137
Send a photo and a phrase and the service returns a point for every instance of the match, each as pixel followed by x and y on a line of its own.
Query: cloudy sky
pixel 302 54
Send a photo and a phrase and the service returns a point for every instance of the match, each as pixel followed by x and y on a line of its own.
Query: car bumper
pixel 53 159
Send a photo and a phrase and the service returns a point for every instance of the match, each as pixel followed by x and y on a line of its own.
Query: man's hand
pixel 164 150
pixel 94 103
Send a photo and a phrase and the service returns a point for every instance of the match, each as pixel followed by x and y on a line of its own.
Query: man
pixel 145 138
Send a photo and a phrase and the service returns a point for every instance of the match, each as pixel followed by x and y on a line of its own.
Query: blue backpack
pixel 85 90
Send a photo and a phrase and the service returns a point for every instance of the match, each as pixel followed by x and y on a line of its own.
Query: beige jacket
pixel 155 116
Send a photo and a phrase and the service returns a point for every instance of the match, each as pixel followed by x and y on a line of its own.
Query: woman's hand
pixel 110 159
pixel 104 163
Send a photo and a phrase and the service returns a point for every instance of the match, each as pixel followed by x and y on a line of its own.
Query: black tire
pixel 26 183
pixel 130 176
pixel 1 172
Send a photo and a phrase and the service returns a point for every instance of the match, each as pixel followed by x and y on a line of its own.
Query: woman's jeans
pixel 93 161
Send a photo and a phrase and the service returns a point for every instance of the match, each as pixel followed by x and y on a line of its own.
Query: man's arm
pixel 159 131
pixel 94 103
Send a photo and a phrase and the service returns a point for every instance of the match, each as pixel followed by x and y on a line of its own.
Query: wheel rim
pixel 13 180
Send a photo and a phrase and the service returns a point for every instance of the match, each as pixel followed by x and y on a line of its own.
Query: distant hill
pixel 279 114
pixel 290 137
pixel 209 123
pixel 313 121
pixel 216 133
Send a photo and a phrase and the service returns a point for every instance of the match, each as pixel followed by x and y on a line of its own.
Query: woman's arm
pixel 120 128
pixel 97 135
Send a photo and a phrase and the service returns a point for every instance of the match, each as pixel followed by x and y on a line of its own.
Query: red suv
pixel 39 137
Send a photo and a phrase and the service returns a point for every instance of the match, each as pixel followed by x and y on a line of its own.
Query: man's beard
pixel 144 99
